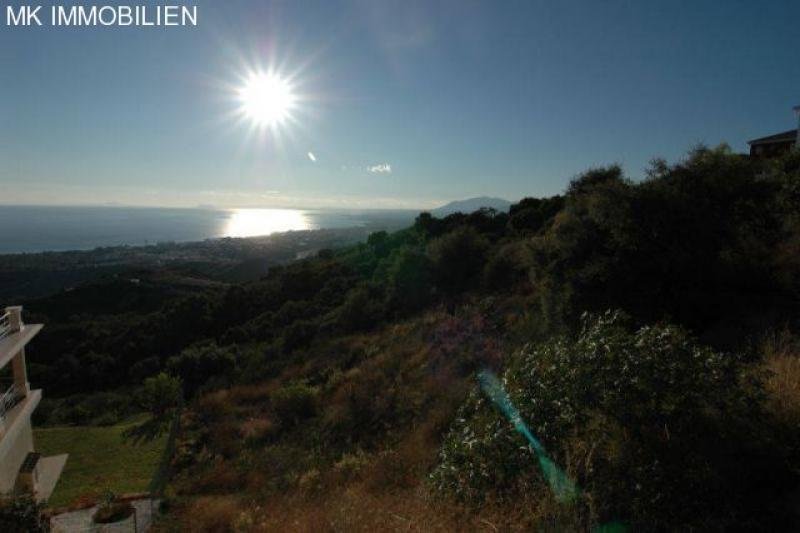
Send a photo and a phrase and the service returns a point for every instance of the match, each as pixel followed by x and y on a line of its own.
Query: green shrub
pixel 350 466
pixel 299 335
pixel 145 368
pixel 657 430
pixel 295 402
pixel 506 267
pixel 362 309
pixel 409 281
pixel 78 415
pixel 291 311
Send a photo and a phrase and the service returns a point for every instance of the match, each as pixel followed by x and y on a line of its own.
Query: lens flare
pixel 562 486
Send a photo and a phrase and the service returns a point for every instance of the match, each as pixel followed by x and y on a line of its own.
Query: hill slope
pixel 471 204
pixel 356 405
pixel 341 392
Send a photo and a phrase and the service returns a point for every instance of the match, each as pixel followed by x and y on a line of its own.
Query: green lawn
pixel 99 459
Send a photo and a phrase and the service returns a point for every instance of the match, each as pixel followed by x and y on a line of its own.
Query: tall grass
pixel 781 352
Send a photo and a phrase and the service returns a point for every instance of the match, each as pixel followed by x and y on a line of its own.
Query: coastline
pixel 39 229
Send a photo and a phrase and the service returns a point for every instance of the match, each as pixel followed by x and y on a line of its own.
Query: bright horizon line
pixel 225 199
pixel 213 207
pixel 237 200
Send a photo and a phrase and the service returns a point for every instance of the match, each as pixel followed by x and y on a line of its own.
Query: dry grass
pixel 218 478
pixel 252 394
pixel 782 360
pixel 255 430
pixel 353 508
pixel 216 514
pixel 389 394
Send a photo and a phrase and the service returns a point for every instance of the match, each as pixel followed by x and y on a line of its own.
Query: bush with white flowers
pixel 656 429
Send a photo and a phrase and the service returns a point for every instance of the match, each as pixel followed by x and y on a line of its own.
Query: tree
pixel 379 242
pixel 409 281
pixel 361 310
pixel 530 215
pixel 701 238
pixel 198 364
pixel 427 225
pixel 160 394
pixel 507 266
pixel 457 258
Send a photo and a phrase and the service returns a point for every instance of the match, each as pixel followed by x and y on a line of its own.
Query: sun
pixel 267 99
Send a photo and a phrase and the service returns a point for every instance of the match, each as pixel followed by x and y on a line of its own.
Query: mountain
pixel 471 204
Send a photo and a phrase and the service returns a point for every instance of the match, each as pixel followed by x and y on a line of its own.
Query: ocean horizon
pixel 32 229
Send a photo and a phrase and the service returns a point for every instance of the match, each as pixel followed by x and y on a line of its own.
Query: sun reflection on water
pixel 257 222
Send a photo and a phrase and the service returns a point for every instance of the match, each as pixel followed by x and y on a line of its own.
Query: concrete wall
pixel 10 463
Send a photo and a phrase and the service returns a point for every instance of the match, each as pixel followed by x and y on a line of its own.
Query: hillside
pixel 598 359
pixel 470 205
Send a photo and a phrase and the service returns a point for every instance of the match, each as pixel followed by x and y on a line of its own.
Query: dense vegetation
pixel 646 420
pixel 629 322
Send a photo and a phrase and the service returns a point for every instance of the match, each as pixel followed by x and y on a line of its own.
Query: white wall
pixel 10 463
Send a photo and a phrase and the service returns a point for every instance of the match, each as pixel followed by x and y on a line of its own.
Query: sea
pixel 28 229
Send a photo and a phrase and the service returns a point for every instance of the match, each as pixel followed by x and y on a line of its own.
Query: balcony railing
pixel 10 395
pixel 5 324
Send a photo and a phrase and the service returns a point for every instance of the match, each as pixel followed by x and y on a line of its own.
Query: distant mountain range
pixel 471 204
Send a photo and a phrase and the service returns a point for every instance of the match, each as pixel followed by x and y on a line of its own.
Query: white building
pixel 22 469
pixel 777 144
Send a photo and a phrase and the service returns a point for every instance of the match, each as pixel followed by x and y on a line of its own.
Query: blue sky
pixel 460 98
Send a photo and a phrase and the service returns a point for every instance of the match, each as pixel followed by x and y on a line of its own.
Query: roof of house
pixel 786 136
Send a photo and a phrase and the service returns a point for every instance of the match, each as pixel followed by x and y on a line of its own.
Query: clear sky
pixel 458 99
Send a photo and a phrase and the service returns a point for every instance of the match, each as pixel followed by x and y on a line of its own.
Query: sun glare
pixel 257 222
pixel 267 99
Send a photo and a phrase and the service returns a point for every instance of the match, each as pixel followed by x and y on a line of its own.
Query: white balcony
pixel 21 468
pixel 16 417
pixel 14 336
pixel 5 324
pixel 15 341
pixel 10 396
